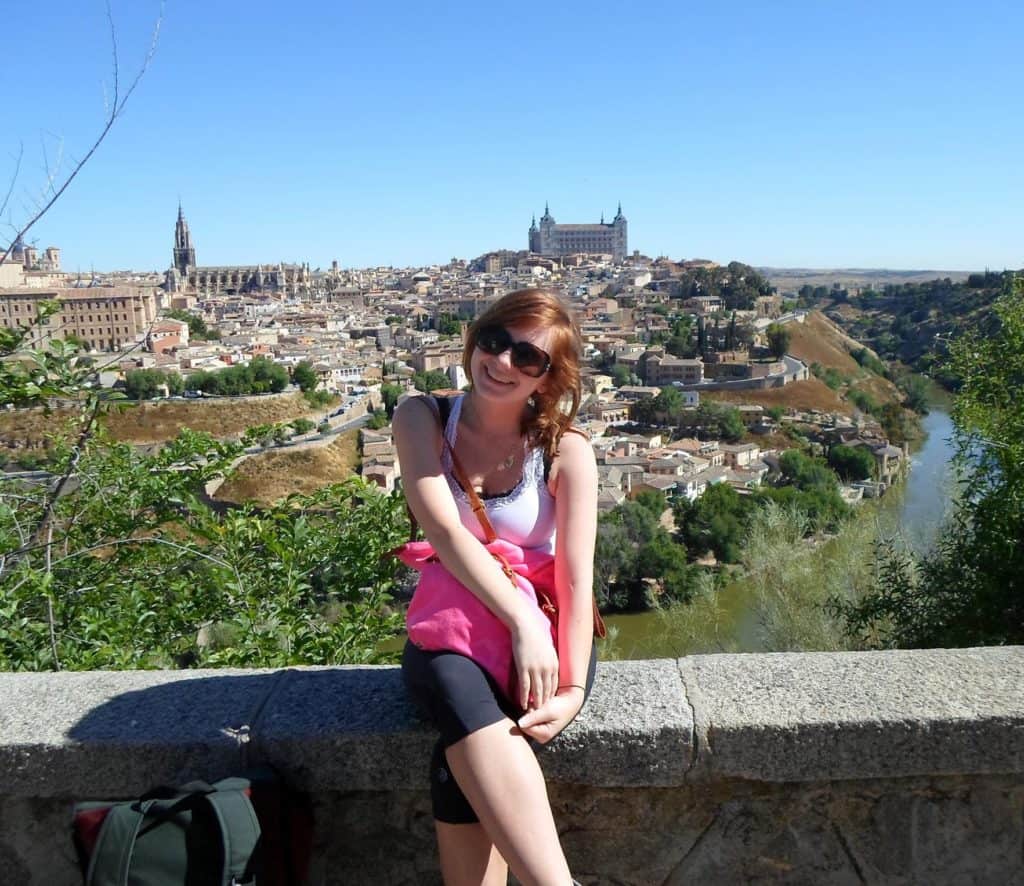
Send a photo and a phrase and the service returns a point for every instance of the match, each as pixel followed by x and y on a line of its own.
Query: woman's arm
pixel 574 478
pixel 418 441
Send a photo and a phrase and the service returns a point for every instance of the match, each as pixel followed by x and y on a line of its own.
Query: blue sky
pixel 812 134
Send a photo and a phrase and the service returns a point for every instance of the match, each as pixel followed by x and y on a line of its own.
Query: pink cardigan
pixel 445 615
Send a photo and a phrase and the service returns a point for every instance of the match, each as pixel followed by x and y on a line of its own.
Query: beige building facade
pixel 105 318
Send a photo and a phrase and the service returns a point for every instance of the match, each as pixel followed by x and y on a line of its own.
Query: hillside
pixel 791 279
pixel 158 421
pixel 819 342
pixel 276 473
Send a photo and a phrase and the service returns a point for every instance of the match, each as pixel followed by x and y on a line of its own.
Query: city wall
pixel 887 767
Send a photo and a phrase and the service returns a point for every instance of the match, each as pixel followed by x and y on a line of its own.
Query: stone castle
pixel 555 240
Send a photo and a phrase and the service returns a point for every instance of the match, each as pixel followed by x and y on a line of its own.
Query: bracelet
pixel 582 689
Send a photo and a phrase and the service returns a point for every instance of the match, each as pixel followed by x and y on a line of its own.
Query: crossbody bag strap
pixel 474 499
pixel 443 409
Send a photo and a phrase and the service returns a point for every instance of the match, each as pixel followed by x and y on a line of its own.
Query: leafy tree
pixel 615 564
pixel 448 324
pixel 390 393
pixel 303 425
pixel 197 328
pixel 305 376
pixel 681 346
pixel 631 546
pixel 145 384
pixel 714 421
pixel 967 590
pixel 663 559
pixel 258 376
pixel 851 462
pixel 822 508
pixel 431 380
pixel 377 421
pixel 778 339
pixel 620 374
pixel 317 399
pixel 915 392
pixel 896 423
pixel 715 522
pixel 863 401
pixel 804 472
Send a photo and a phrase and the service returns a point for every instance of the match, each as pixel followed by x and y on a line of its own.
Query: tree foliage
pixel 633 546
pixel 145 384
pixel 390 394
pixel 778 340
pixel 851 462
pixel 737 284
pixel 713 421
pixel 118 560
pixel 258 376
pixel 197 328
pixel 967 590
pixel 305 376
pixel 431 380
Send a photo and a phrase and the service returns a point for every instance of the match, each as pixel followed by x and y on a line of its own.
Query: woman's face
pixel 495 375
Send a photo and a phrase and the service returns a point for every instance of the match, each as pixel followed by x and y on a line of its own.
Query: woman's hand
pixel 536 662
pixel 545 722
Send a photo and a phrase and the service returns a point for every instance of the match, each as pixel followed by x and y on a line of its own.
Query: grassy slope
pixel 272 475
pixel 155 422
pixel 818 340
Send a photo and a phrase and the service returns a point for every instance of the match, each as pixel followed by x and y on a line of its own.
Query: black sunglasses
pixel 528 359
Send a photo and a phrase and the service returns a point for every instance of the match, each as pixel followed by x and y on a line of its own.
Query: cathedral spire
pixel 184 252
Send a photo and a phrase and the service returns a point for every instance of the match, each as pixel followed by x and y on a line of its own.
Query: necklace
pixel 510 459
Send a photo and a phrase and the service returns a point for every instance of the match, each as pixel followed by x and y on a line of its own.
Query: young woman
pixel 538 479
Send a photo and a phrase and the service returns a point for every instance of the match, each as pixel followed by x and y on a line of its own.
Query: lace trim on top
pixel 533 468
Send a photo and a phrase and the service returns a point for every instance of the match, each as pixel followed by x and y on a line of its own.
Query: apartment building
pixel 106 318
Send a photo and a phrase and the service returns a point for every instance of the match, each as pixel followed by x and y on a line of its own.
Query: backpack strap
pixel 240 832
pixel 111 859
pixel 237 826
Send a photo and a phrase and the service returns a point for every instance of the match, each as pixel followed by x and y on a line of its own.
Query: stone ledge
pixel 768 718
pixel 857 715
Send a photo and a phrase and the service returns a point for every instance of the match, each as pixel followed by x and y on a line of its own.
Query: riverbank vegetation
pixel 968 589
pixel 913 323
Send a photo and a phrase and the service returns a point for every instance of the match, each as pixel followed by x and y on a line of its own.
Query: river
pixel 913 510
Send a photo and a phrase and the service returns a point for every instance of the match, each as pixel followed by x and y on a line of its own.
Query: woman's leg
pixel 500 776
pixel 468 857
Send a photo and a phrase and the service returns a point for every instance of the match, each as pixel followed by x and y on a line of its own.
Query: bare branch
pixel 114 112
pixel 49 600
pixel 113 47
pixel 14 178
pixel 51 171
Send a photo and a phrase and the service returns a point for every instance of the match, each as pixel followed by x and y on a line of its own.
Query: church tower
pixel 620 242
pixel 534 236
pixel 184 251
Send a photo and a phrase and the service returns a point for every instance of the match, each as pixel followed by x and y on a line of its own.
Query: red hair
pixel 555 407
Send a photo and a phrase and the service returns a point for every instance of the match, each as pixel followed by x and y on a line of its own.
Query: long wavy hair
pixel 555 407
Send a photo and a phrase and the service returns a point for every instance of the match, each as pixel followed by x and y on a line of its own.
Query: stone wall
pixel 889 767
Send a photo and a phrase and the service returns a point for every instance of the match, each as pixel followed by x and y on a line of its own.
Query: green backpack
pixel 197 835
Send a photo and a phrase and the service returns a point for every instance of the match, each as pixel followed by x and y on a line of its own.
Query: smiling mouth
pixel 499 381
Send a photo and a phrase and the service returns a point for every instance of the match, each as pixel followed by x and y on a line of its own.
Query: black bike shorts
pixel 458 697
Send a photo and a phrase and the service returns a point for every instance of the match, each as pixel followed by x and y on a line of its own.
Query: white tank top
pixel 525 515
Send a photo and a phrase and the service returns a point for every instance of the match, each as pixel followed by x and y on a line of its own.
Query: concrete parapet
pixel 889 767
